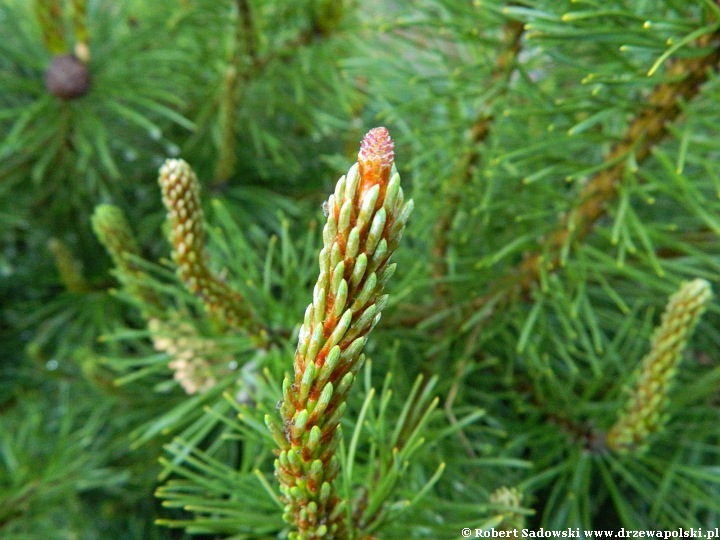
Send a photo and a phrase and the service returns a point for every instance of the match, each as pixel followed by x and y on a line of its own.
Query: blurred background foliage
pixel 563 160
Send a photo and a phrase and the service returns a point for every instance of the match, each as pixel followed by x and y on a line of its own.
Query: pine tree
pixel 169 206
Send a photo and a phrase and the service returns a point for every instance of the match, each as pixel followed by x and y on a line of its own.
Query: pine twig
pixel 234 82
pixel 246 30
pixel 225 163
pixel 49 16
pixel 685 78
pixel 239 73
pixel 479 131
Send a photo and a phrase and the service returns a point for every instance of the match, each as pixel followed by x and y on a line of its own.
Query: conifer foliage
pixel 548 350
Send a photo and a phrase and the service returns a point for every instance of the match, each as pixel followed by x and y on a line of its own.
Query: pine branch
pixel 307 37
pixel 327 14
pixel 225 163
pixel 234 83
pixel 453 189
pixel 366 219
pixel 685 77
pixel 247 63
pixel 49 15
